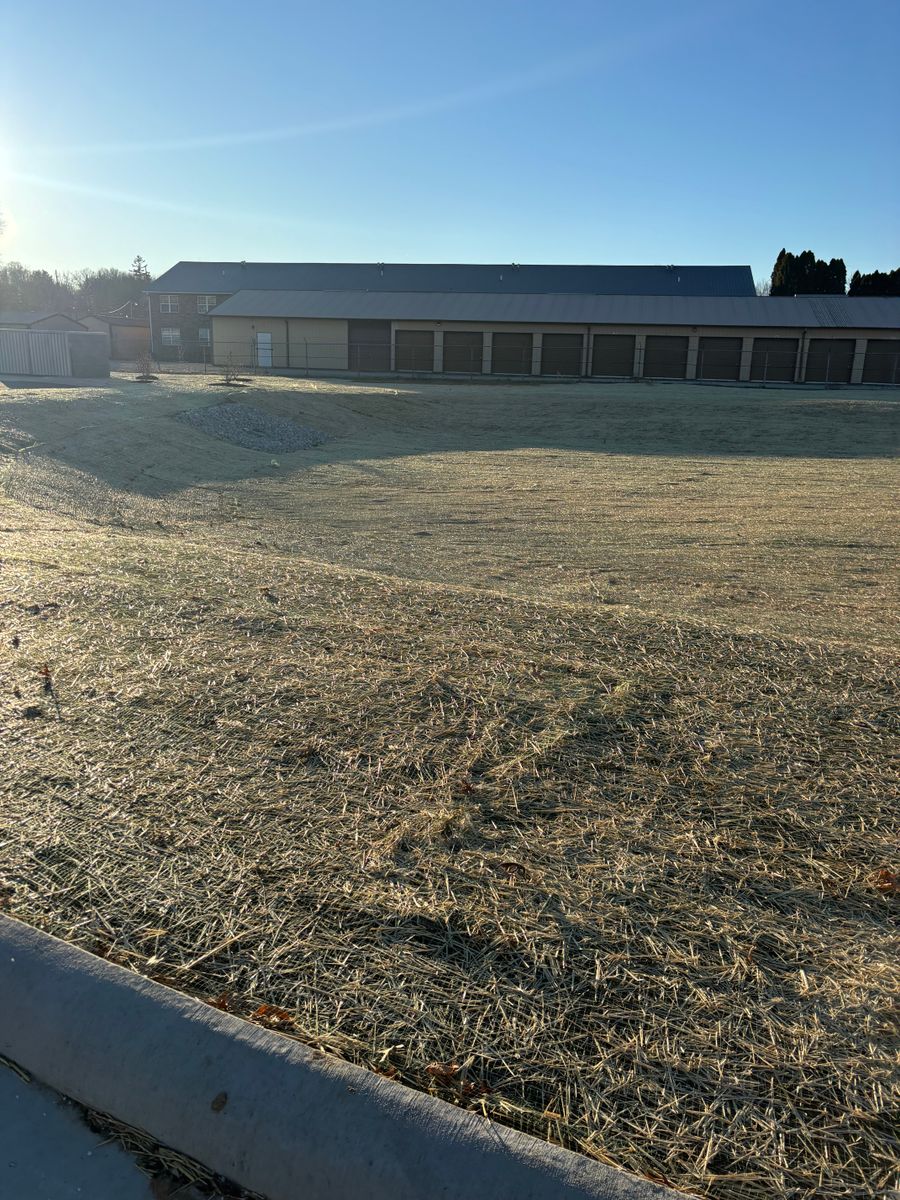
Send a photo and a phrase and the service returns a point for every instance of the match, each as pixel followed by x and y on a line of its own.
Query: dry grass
pixel 621 882
pixel 766 510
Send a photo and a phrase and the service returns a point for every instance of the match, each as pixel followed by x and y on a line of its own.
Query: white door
pixel 264 349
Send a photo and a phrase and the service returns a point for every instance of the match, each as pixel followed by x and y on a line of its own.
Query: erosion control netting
pixel 622 884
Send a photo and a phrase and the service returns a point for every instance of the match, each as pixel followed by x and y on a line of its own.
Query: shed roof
pixel 503 278
pixel 843 312
pixel 25 319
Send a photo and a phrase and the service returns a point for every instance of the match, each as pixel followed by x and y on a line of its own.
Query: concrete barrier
pixel 263 1110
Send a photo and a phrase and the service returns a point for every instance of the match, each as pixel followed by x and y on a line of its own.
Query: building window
pixel 203 335
pixel 171 337
pixel 205 303
pixel 168 304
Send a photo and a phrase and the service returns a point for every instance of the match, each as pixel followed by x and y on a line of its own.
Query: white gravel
pixel 252 428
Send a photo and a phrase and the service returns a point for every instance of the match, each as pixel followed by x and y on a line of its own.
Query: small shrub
pixel 145 367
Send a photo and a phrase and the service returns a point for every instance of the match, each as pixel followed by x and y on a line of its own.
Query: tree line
pixel 95 292
pixel 805 275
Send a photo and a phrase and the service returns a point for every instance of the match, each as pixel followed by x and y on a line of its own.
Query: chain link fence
pixel 657 358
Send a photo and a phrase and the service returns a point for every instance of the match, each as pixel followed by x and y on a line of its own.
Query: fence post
pixel 637 366
pixel 746 363
pixel 693 366
pixel 859 358
pixel 537 350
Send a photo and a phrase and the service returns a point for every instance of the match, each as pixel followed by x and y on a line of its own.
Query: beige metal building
pixel 813 339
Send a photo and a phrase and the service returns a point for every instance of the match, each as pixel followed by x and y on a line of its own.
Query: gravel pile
pixel 252 428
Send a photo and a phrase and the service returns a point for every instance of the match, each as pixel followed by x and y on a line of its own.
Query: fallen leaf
pixel 219 1102
pixel 885 881
pixel 272 1016
pixel 443 1072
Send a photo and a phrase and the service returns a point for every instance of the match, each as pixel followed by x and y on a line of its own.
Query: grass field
pixel 760 509
pixel 481 744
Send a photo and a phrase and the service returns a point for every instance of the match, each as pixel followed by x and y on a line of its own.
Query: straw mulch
pixel 623 884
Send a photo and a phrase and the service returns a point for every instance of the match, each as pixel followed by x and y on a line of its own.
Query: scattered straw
pixel 624 884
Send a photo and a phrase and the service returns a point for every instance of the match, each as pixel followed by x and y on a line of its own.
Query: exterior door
pixel 613 355
pixel 369 344
pixel 665 357
pixel 882 361
pixel 414 350
pixel 463 352
pixel 511 353
pixel 561 354
pixel 774 359
pixel 264 349
pixel 829 360
pixel 719 358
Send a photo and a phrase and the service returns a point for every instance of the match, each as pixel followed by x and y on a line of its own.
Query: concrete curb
pixel 260 1109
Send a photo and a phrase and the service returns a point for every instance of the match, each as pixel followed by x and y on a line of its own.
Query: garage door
pixel 561 353
pixel 511 353
pixel 369 345
pixel 665 357
pixel 414 350
pixel 882 363
pixel 774 360
pixel 830 360
pixel 719 358
pixel 613 355
pixel 463 352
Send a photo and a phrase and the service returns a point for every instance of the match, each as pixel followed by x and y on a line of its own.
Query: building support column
pixel 537 350
pixel 393 346
pixel 690 369
pixel 487 350
pixel 438 350
pixel 859 359
pixel 637 367
pixel 746 359
pixel 586 353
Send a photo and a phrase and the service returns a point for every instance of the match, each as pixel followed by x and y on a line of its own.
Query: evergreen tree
pixel 779 275
pixel 876 283
pixel 139 269
pixel 805 275
pixel 838 270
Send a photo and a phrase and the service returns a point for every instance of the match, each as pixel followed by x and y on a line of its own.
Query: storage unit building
pixel 732 339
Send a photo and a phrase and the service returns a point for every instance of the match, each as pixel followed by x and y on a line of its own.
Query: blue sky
pixel 685 131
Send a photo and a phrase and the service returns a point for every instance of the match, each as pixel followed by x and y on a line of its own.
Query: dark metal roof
pixel 842 312
pixel 223 277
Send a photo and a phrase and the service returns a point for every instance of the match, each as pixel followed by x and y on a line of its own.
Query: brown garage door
pixel 830 360
pixel 882 363
pixel 665 357
pixel 774 360
pixel 369 345
pixel 414 350
pixel 511 354
pixel 463 352
pixel 613 355
pixel 561 353
pixel 719 358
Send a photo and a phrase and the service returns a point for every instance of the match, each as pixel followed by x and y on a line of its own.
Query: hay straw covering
pixel 621 883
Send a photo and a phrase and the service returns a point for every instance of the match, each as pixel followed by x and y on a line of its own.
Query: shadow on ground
pixel 126 434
